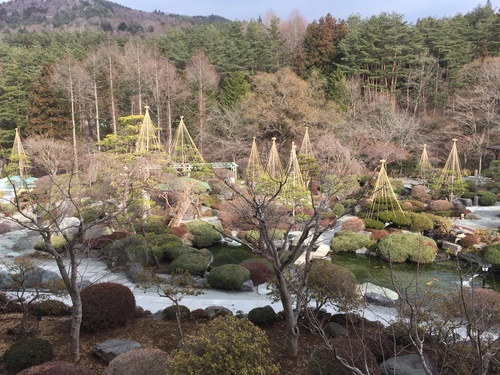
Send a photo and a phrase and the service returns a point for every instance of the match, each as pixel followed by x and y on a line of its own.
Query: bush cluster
pixel 152 224
pixel 402 247
pixel 355 352
pixel 263 316
pixel 229 255
pixel 228 276
pixel 139 361
pixel 170 312
pixel 492 254
pixel 346 241
pixel 259 272
pixel 373 224
pixel 106 305
pixel 57 368
pixel 486 198
pixel 204 234
pixel 193 262
pixel 51 308
pixel 27 352
pixel 165 246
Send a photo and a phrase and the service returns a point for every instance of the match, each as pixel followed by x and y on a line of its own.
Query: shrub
pixel 27 352
pixel 260 260
pixel 397 218
pixel 356 354
pixel 228 276
pixel 58 241
pixel 194 263
pixel 492 254
pixel 106 305
pixel 199 314
pixel 353 225
pixel 259 272
pixel 57 368
pixel 345 241
pixel 378 234
pixel 440 205
pixel 172 253
pixel 469 240
pixel 226 345
pixel 254 235
pixel 400 247
pixel 229 255
pixel 420 222
pixel 170 312
pixel 136 248
pixel 51 308
pixel 373 224
pixel 139 361
pixel 91 214
pixel 338 209
pixel 471 185
pixel 164 246
pixel 204 234
pixel 263 316
pixel 152 224
pixel 486 198
pixel 383 204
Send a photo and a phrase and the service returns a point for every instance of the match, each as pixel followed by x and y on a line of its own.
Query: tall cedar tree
pixel 47 114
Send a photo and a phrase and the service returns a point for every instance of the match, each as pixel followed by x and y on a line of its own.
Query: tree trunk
pixel 291 317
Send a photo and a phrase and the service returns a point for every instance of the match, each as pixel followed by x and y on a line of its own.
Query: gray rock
pixel 372 288
pixel 134 271
pixel 69 226
pixel 363 251
pixel 84 283
pixel 112 348
pixel 12 254
pixel 378 300
pixel 97 232
pixel 335 330
pixel 451 247
pixel 247 286
pixel 404 365
pixel 214 311
pixel 200 282
pixel 35 277
pixel 5 280
pixel 50 276
pixel 467 202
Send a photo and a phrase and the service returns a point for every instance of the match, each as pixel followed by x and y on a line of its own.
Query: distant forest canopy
pixel 367 89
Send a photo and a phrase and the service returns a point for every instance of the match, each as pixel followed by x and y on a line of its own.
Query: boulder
pixel 410 364
pixel 375 289
pixel 49 276
pixel 134 271
pixel 5 280
pixel 452 248
pixel 379 300
pixel 214 311
pixel 96 232
pixel 333 329
pixel 69 226
pixel 109 349
pixel 247 286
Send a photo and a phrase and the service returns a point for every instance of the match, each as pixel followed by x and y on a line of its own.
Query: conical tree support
pixel 424 166
pixel 305 147
pixel 147 139
pixel 451 175
pixel 294 187
pixel 383 194
pixel 19 157
pixel 254 169
pixel 184 150
pixel 307 161
pixel 274 168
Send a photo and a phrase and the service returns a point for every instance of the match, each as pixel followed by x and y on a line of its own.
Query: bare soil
pixel 151 333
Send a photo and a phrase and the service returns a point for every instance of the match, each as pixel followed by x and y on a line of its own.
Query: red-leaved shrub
pixel 259 272
pixel 377 234
pixel 57 368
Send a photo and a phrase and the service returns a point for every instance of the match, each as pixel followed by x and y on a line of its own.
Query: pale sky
pixel 245 10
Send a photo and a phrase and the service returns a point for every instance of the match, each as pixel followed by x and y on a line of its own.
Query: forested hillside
pixel 367 88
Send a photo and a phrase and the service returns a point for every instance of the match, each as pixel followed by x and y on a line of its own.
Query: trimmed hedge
pixel 194 263
pixel 346 241
pixel 106 305
pixel 204 234
pixel 402 247
pixel 170 312
pixel 27 352
pixel 263 316
pixel 51 308
pixel 228 277
pixel 57 368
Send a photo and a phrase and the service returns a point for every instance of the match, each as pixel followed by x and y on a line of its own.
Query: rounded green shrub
pixel 194 263
pixel 402 247
pixel 420 222
pixel 137 249
pixel 139 361
pixel 204 234
pixel 57 368
pixel 27 352
pixel 323 360
pixel 228 276
pixel 58 241
pixel 346 241
pixel 106 305
pixel 91 214
pixel 486 198
pixel 259 272
pixel 152 224
pixel 226 345
pixel 373 224
pixel 51 308
pixel 338 209
pixel 383 204
pixel 263 316
pixel 397 218
pixel 229 255
pixel 492 254
pixel 172 253
pixel 170 312
pixel 165 246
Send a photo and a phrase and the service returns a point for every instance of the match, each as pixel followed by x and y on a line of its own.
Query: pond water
pixel 438 276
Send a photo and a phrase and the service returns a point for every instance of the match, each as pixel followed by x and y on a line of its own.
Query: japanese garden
pixel 344 170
